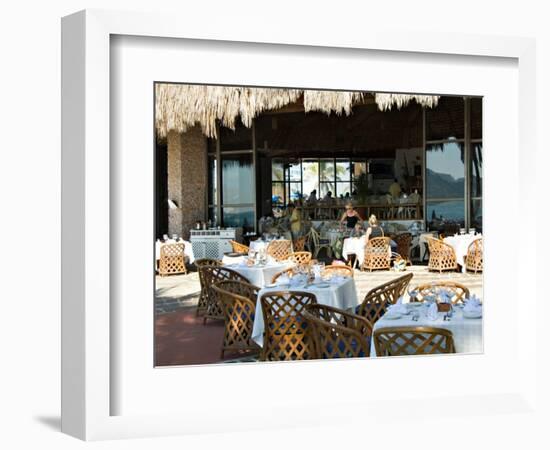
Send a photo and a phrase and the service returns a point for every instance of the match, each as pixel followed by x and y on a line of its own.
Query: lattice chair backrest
pixel 378 245
pixel 397 341
pixel 337 333
pixel 286 336
pixel 337 269
pixel 237 247
pixel 403 242
pixel 289 272
pixel 172 259
pixel 378 299
pixel 457 292
pixel 300 257
pixel 279 249
pixel 474 256
pixel 442 255
pixel 200 263
pixel 238 303
pixel 213 275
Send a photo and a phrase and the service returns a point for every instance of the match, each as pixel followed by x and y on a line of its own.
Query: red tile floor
pixel 181 338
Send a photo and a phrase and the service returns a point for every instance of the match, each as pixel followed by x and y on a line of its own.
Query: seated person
pixel 395 189
pixel 374 230
pixel 351 217
pixel 312 199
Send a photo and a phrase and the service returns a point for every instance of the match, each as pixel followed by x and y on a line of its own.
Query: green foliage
pixel 361 187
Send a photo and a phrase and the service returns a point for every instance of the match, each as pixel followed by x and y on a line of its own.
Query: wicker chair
pixel 474 256
pixel 203 297
pixel 299 245
pixel 172 259
pixel 403 242
pixel 378 299
pixel 279 249
pixel 286 337
pixel 238 302
pixel 288 272
pixel 459 292
pixel 336 333
pixel 213 275
pixel 300 257
pixel 316 243
pixel 237 247
pixel 398 341
pixel 442 255
pixel 337 269
pixel 377 254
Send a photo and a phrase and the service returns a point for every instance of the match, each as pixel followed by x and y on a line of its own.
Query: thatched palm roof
pixel 182 106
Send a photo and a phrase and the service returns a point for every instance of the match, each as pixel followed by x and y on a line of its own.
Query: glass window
pixel 446 120
pixel 326 168
pixel 237 179
pixel 277 170
pixel 277 194
pixel 213 216
pixel 476 214
pixel 239 217
pixel 343 170
pixel 358 168
pixel 445 184
pixel 476 170
pixel 343 189
pixel 310 175
pixel 212 185
pixel 326 187
pixel 294 170
pixel 294 192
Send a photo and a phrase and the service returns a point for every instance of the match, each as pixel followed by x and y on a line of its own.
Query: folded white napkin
pixel 399 307
pixel 432 313
pixel 283 279
pixel 444 296
pixel 473 306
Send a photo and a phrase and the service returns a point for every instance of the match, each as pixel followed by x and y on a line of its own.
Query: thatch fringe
pixel 181 106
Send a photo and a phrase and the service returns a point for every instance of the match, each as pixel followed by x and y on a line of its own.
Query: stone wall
pixel 187 180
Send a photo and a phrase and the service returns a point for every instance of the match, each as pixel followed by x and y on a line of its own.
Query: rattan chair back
pixel 299 245
pixel 300 258
pixel 442 255
pixel 377 254
pixel 279 249
pixel 403 242
pixel 238 302
pixel 474 256
pixel 337 333
pixel 213 275
pixel 237 247
pixel 458 292
pixel 286 336
pixel 337 269
pixel 378 299
pixel 203 297
pixel 172 259
pixel 399 341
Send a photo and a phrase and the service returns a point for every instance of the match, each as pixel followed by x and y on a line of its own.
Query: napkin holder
pixel 443 307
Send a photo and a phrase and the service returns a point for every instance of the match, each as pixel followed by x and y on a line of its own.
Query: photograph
pixel 297 224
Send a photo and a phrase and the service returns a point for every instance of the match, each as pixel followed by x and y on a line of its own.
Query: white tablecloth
pixel 356 246
pixel 260 275
pixel 460 243
pixel 187 251
pixel 342 295
pixel 467 333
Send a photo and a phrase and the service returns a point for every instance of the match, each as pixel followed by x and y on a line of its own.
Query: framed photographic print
pixel 272 233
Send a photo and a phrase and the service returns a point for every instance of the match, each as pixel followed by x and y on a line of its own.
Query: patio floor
pixel 182 339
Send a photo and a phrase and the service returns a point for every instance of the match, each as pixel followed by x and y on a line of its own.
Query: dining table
pixel 460 244
pixel 258 274
pixel 339 292
pixel 467 332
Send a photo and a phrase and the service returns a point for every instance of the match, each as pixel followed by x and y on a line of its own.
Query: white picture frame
pixel 88 328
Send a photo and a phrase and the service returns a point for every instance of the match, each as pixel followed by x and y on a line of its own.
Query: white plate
pixel 320 285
